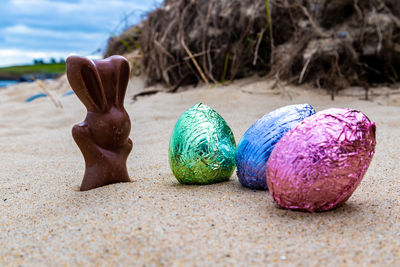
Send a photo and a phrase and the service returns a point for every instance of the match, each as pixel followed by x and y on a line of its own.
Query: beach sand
pixel 45 220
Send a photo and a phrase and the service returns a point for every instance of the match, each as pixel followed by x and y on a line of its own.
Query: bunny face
pixel 110 130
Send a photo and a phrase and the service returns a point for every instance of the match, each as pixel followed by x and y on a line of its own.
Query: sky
pixel 44 29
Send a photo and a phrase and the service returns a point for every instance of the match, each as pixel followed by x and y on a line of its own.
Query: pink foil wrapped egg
pixel 318 165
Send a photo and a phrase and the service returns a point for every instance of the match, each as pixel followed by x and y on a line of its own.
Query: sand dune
pixel 44 219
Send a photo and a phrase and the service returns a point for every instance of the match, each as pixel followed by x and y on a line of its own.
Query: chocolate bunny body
pixel 103 137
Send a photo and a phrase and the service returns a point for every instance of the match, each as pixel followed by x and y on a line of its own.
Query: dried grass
pixel 331 44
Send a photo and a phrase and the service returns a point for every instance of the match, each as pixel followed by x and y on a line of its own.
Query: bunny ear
pixel 86 83
pixel 122 71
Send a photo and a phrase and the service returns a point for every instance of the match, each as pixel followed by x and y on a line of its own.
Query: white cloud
pixel 21 57
pixel 27 6
pixel 84 6
pixel 27 32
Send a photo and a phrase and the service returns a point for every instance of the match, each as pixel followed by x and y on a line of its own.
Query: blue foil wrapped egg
pixel 257 143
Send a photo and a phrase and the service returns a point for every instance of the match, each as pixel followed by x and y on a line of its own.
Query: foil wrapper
pixel 202 147
pixel 318 165
pixel 257 143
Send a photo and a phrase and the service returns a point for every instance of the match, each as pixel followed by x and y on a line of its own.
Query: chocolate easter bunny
pixel 103 137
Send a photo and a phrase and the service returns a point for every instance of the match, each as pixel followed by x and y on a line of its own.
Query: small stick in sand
pixel 55 102
pixel 195 62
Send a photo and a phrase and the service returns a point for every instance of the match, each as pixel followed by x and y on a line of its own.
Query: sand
pixel 45 220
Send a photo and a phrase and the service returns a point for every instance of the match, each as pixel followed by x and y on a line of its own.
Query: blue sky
pixel 32 29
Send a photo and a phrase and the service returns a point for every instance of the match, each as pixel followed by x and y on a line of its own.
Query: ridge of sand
pixel 156 221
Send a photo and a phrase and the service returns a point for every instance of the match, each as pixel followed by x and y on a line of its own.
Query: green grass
pixel 18 71
pixel 269 21
pixel 225 68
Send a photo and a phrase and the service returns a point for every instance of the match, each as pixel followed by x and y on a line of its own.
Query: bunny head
pixel 101 86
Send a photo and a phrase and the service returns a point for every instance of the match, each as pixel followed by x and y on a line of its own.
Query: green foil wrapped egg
pixel 202 147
